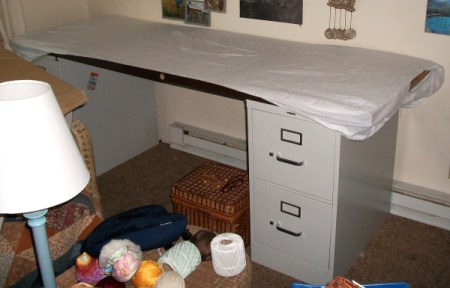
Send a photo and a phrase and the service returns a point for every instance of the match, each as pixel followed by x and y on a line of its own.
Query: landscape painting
pixel 438 17
pixel 173 9
pixel 288 11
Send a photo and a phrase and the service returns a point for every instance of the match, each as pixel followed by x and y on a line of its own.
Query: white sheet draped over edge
pixel 351 90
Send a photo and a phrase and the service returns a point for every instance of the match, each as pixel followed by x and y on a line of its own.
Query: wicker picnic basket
pixel 215 196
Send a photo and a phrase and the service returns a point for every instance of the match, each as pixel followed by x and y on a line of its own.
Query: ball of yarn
pixel 228 254
pixel 202 239
pixel 125 266
pixel 87 269
pixel 183 257
pixel 109 282
pixel 170 279
pixel 147 274
pixel 123 257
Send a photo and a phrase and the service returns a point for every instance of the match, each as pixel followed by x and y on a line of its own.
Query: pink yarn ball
pixel 126 266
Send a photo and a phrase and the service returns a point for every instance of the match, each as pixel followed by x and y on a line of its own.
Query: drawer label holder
pixel 290 136
pixel 290 209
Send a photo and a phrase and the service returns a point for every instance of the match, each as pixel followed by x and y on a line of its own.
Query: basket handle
pixel 234 183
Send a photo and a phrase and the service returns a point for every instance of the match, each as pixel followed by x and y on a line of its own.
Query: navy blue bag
pixel 149 227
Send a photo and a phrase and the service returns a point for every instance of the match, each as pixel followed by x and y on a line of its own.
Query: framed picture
pixel 288 11
pixel 173 9
pixel 438 17
pixel 215 5
pixel 196 13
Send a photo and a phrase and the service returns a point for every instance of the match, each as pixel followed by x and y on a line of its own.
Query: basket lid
pixel 215 186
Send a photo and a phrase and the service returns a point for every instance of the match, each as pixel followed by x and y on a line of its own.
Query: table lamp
pixel 40 164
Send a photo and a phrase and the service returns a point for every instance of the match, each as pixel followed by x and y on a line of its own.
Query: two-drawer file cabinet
pixel 316 198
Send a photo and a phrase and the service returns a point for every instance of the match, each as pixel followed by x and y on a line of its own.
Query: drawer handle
pixel 291 162
pixel 296 234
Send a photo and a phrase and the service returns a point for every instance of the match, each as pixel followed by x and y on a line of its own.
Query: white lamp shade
pixel 40 164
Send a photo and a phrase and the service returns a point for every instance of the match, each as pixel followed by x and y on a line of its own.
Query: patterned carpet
pixel 402 250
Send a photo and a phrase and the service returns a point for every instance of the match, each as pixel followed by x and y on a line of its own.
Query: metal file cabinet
pixel 316 198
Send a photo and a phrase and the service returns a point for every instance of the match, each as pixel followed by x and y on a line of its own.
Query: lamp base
pixel 37 220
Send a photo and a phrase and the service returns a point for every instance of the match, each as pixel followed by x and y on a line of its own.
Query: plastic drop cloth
pixel 350 90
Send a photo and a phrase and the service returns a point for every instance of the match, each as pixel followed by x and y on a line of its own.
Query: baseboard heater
pixel 208 144
pixel 421 204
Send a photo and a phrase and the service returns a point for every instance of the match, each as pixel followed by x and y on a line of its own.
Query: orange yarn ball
pixel 147 274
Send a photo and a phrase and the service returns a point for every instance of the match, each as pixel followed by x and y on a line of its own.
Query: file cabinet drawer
pixel 292 224
pixel 294 153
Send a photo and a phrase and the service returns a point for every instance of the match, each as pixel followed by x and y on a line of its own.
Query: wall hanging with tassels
pixel 341 21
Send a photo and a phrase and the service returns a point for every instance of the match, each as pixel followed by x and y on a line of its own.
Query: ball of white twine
pixel 228 254
pixel 170 279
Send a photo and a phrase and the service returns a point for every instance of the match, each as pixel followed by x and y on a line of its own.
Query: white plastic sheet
pixel 351 90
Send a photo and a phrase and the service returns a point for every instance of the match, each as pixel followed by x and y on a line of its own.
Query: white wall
pixel 423 149
pixel 20 16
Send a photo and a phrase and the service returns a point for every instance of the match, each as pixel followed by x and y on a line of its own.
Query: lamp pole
pixel 37 220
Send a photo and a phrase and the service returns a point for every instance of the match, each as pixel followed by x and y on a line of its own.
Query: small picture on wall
pixel 173 9
pixel 288 11
pixel 438 17
pixel 215 5
pixel 196 13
